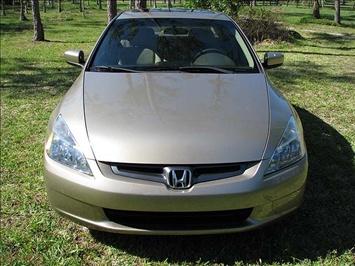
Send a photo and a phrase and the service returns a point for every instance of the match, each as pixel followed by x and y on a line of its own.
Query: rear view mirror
pixel 176 31
pixel 273 59
pixel 75 57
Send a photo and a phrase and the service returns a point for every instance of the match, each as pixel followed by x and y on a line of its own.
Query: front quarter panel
pixel 280 113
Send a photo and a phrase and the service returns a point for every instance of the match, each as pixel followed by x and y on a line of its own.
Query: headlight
pixel 62 147
pixel 290 149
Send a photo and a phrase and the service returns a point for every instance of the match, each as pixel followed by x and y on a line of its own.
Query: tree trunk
pixel 111 9
pixel 141 4
pixel 22 11
pixel 37 24
pixel 169 4
pixel 3 12
pixel 59 6
pixel 337 11
pixel 44 6
pixel 316 7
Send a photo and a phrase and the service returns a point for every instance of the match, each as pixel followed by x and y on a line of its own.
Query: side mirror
pixel 75 57
pixel 273 59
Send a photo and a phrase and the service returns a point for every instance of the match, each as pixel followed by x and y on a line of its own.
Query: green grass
pixel 318 78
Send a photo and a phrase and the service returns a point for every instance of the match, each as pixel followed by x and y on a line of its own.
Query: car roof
pixel 173 13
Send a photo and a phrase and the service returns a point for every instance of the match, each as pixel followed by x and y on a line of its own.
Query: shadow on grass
pixel 333 38
pixel 15 27
pixel 323 224
pixel 299 71
pixel 24 78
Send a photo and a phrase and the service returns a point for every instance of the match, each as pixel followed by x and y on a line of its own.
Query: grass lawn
pixel 318 78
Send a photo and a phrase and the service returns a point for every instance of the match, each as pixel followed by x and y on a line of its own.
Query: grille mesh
pixel 179 220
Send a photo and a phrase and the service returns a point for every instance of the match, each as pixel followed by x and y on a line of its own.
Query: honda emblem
pixel 178 178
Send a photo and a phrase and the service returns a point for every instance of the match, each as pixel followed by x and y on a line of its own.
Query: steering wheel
pixel 208 51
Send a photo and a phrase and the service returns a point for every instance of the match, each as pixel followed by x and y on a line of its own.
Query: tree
pixel 81 6
pixel 316 7
pixel 37 24
pixel 230 7
pixel 22 11
pixel 59 6
pixel 111 9
pixel 141 4
pixel 153 3
pixel 337 11
pixel 3 12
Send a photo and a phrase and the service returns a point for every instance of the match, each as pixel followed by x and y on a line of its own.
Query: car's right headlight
pixel 62 147
pixel 291 148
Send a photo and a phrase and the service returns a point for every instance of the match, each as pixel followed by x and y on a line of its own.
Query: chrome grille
pixel 155 173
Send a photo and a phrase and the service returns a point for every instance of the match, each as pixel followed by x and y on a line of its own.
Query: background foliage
pixel 230 7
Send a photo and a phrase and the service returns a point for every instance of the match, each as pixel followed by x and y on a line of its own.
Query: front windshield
pixel 167 44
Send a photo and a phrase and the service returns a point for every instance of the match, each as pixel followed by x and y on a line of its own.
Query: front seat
pixel 140 50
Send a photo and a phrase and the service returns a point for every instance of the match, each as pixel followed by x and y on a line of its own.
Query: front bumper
pixel 131 206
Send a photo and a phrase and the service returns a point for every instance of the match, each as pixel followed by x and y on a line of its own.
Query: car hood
pixel 176 118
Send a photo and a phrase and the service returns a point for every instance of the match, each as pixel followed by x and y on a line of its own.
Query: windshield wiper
pixel 190 69
pixel 205 69
pixel 115 69
pixel 161 68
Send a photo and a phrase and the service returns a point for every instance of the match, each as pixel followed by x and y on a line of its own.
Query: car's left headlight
pixel 62 147
pixel 290 149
